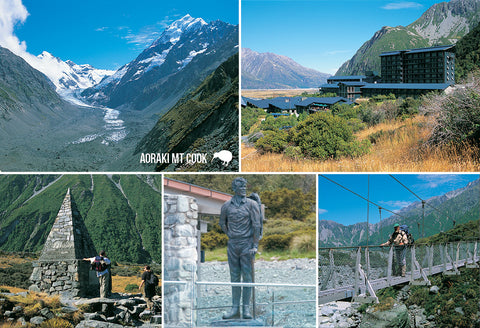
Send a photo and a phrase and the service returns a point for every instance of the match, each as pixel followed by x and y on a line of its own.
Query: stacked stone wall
pixel 69 277
pixel 180 258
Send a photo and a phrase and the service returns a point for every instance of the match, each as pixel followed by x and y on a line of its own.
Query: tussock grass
pixel 398 151
pixel 220 254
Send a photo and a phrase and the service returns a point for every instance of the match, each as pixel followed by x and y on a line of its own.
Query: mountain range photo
pixel 442 213
pixel 57 115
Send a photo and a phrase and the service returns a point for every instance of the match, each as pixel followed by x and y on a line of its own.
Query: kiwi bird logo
pixel 225 156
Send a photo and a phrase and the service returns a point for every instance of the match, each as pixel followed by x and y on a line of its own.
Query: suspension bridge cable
pixel 365 199
pixel 422 200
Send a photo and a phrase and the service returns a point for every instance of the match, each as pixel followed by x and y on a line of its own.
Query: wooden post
pixel 357 270
pixel 389 268
pixel 430 259
pixel 458 255
pixel 367 261
pixel 332 269
pixel 412 264
pixel 443 257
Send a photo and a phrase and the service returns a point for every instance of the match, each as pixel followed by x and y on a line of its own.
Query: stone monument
pixel 60 269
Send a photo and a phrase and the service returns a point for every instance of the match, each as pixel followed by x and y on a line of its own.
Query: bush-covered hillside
pixel 289 210
pixel 467 54
pixel 122 212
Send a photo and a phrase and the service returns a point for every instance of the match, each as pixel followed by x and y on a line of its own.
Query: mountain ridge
pixel 268 71
pixel 460 205
pixel 442 24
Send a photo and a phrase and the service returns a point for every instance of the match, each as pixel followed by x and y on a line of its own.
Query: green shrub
pixel 325 136
pixel 213 239
pixel 356 124
pixel 293 152
pixel 131 288
pixel 250 117
pixel 457 117
pixel 276 242
pixel 303 242
pixel 273 141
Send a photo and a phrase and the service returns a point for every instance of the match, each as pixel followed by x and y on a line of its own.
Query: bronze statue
pixel 241 220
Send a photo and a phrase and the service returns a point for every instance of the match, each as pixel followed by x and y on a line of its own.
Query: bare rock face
pixel 60 269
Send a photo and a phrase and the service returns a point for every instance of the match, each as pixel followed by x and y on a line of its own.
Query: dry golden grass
pixel 120 282
pixel 400 152
pixel 7 261
pixel 270 93
pixel 13 289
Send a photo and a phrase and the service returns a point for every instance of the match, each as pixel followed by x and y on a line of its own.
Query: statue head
pixel 239 186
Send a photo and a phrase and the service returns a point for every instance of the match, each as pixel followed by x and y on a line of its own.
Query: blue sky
pixel 321 34
pixel 337 204
pixel 108 33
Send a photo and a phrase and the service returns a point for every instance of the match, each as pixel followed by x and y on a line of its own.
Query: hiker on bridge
pixel 100 264
pixel 399 240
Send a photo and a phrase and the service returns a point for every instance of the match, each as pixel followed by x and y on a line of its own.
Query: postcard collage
pixel 240 163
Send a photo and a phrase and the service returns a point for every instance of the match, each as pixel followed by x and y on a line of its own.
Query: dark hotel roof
pixel 407 86
pixel 323 100
pixel 347 77
pixel 418 50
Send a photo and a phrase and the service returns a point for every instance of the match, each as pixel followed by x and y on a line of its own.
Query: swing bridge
pixel 357 272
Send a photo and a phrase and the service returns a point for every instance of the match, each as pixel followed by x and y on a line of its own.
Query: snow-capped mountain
pixel 68 75
pixel 185 53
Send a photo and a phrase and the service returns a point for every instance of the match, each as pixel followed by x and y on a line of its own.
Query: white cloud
pixel 435 180
pixel 322 211
pixel 396 204
pixel 402 5
pixel 337 52
pixel 12 12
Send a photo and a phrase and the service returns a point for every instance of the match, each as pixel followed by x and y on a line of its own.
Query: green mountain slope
pixel 467 57
pixel 22 87
pixel 122 213
pixel 443 23
pixel 204 120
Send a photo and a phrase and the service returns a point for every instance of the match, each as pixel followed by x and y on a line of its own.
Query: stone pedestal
pixel 60 269
pixel 180 258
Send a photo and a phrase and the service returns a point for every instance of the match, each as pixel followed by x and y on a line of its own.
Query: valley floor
pixel 398 149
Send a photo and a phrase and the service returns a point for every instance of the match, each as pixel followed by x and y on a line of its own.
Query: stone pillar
pixel 60 269
pixel 180 258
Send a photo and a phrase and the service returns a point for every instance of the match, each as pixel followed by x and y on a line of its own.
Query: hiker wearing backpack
pixel 399 240
pixel 150 280
pixel 100 264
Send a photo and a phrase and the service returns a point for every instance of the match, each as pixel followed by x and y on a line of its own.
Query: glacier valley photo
pixel 98 90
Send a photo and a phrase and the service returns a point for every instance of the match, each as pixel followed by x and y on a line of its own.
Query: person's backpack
pixel 99 264
pixel 405 229
pixel 153 280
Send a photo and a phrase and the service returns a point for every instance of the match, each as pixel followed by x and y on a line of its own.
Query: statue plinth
pixel 237 323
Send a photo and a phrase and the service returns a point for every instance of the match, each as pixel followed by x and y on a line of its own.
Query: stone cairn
pixel 60 269
pixel 180 258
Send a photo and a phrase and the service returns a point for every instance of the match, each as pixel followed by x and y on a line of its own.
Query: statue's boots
pixel 404 270
pixel 234 312
pixel 247 295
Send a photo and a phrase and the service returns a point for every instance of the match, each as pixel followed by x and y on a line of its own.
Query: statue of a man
pixel 241 220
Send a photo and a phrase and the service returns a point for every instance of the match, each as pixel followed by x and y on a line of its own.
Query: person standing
pixel 100 264
pixel 399 240
pixel 241 220
pixel 148 281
